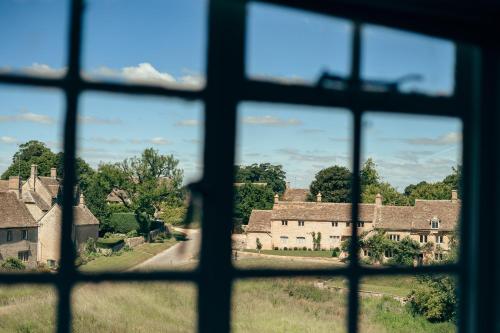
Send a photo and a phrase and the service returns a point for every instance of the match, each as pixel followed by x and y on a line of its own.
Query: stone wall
pixel 239 241
pixel 134 241
pixel 11 249
pixel 263 237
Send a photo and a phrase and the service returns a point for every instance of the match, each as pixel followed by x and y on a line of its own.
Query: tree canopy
pixel 31 152
pixel 268 173
pixel 334 183
pixel 249 197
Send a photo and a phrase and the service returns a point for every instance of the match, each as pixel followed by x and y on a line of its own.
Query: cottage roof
pixel 52 184
pixel 115 194
pixel 259 221
pixel 4 185
pixel 446 211
pixel 394 217
pixel 14 212
pixel 35 198
pixel 296 194
pixel 320 211
pixel 82 215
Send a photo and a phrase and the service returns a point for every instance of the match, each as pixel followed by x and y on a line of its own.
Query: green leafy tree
pixel 429 191
pixel 334 183
pixel 368 174
pixel 377 244
pixel 31 152
pixel 272 175
pixel 390 196
pixel 405 251
pixel 434 297
pixel 259 244
pixel 249 197
pixel 173 214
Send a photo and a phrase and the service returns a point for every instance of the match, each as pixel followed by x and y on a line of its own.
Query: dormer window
pixel 435 223
pixel 301 223
pixel 284 222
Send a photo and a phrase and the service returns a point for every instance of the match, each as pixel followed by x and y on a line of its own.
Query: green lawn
pixel 259 305
pixel 127 259
pixel 297 253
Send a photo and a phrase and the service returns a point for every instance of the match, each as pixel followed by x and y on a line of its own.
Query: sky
pixel 164 42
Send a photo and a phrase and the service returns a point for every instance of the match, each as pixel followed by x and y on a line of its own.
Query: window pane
pixel 411 173
pixel 288 305
pixel 27 308
pixel 408 304
pixel 134 307
pixel 150 42
pixel 140 153
pixel 33 35
pixel 407 62
pixel 292 46
pixel 292 182
pixel 30 155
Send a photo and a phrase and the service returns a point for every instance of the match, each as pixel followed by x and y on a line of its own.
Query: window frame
pixel 9 236
pixel 475 102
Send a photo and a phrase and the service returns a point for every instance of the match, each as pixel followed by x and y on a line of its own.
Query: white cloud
pixel 159 141
pixel 106 140
pixel 446 139
pixel 188 123
pixel 271 121
pixel 98 121
pixel 26 116
pixel 44 70
pixel 8 140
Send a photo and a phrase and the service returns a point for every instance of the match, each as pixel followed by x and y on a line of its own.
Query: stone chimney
pixel 53 173
pixel 454 196
pixel 288 186
pixel 318 197
pixel 81 202
pixel 33 176
pixel 276 198
pixel 378 200
pixel 15 185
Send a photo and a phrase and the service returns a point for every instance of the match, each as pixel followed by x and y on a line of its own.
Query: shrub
pixel 309 249
pixel 295 248
pixel 132 233
pixel 434 297
pixel 90 246
pixel 258 244
pixel 276 248
pixel 108 243
pixel 405 251
pixel 13 264
pixel 285 248
pixel 304 248
pixel 124 222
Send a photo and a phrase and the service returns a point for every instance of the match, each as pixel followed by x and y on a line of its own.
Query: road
pixel 179 254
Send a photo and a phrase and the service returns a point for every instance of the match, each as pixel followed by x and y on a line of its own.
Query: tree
pixel 434 297
pixel 316 240
pixel 259 244
pixel 334 183
pixel 377 244
pixel 428 191
pixel 405 251
pixel 272 175
pixel 368 174
pixel 31 152
pixel 454 179
pixel 390 196
pixel 249 197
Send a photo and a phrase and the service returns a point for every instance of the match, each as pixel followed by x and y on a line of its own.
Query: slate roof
pixel 320 211
pixel 394 217
pixel 259 221
pixel 446 211
pixel 296 194
pixel 35 198
pixel 14 213
pixel 114 196
pixel 4 185
pixel 82 215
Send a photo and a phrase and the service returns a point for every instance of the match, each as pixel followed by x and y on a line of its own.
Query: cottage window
pixel 334 239
pixel 423 238
pixel 24 234
pixel 335 224
pixel 23 255
pixel 361 224
pixel 301 240
pixel 51 263
pixel 301 223
pixel 388 253
pixel 348 224
pixel 9 235
pixel 284 240
pixel 438 256
pixel 284 222
pixel 394 237
pixel 434 223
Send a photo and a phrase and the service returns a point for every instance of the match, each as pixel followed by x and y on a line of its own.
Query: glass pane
pixel 288 305
pixel 28 308
pixel 150 42
pixel 30 155
pixel 33 35
pixel 408 304
pixel 411 174
pixel 134 307
pixel 293 183
pixel 291 46
pixel 140 154
pixel 406 62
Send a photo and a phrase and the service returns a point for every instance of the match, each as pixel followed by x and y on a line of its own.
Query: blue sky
pixel 163 43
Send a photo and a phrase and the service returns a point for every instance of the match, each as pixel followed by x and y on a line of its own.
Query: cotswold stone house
pixel 291 223
pixel 37 210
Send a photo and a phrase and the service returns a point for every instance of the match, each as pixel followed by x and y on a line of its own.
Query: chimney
pixel 81 202
pixel 276 198
pixel 33 176
pixel 288 186
pixel 53 173
pixel 378 200
pixel 318 197
pixel 15 185
pixel 454 196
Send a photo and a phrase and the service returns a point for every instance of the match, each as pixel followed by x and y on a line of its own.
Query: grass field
pixel 259 305
pixel 297 253
pixel 127 259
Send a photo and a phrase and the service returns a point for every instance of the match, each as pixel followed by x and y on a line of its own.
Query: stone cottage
pixel 39 197
pixel 291 224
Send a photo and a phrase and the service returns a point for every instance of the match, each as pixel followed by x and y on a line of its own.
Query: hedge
pixel 108 243
pixel 123 223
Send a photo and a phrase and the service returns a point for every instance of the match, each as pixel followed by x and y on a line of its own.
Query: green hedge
pixel 123 223
pixel 108 243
